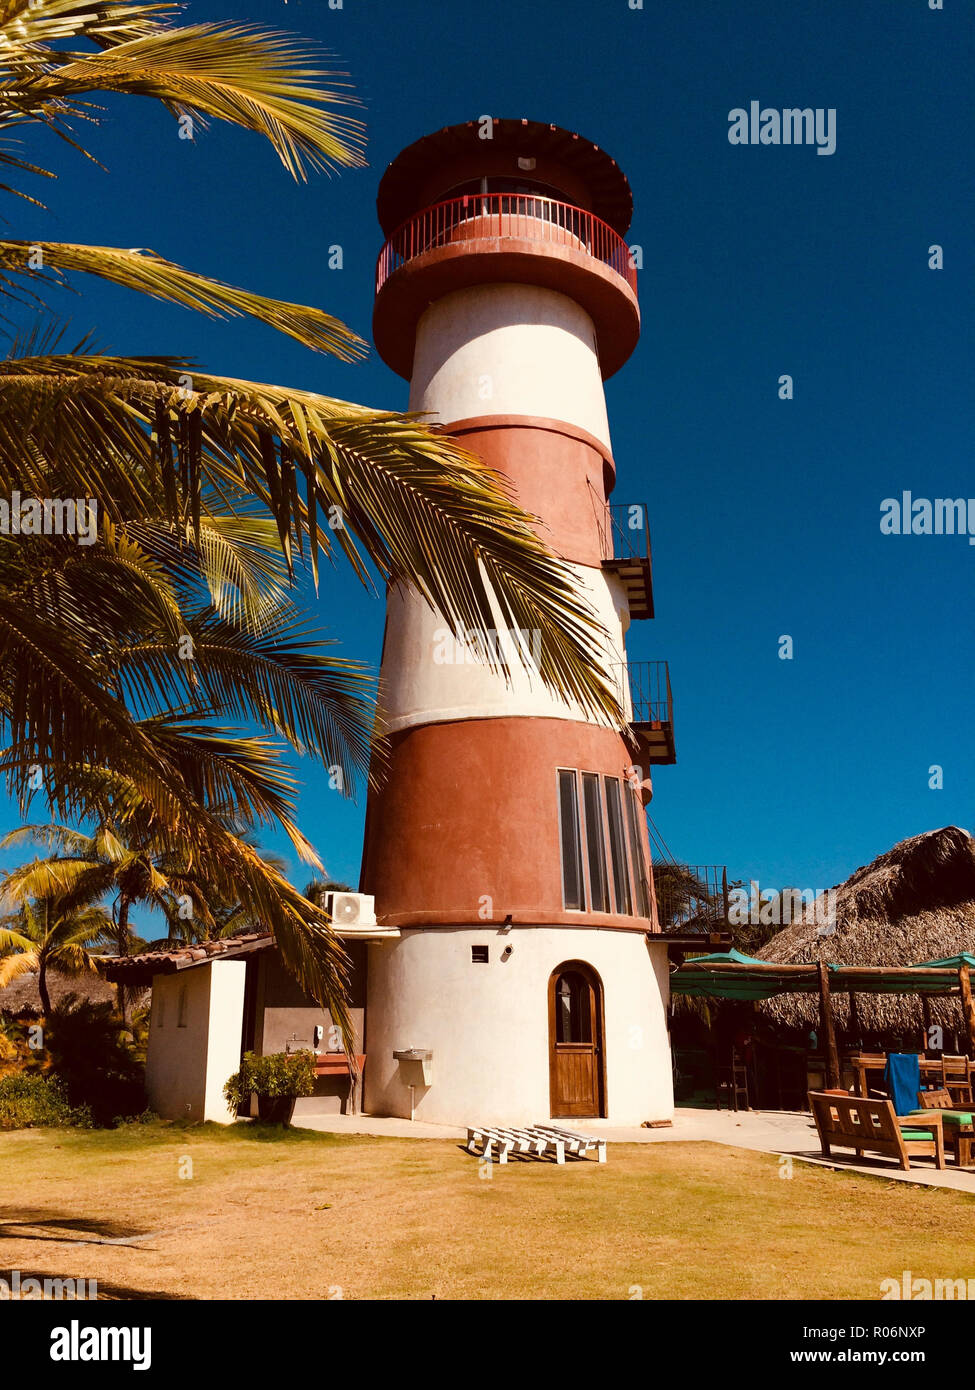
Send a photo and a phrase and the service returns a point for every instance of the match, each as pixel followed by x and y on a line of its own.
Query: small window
pixel 595 843
pixel 637 857
pixel 617 848
pixel 182 1010
pixel 479 955
pixel 573 1008
pixel 160 1008
pixel 573 891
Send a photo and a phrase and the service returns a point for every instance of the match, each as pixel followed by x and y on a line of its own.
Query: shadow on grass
pixel 145 1133
pixel 36 1218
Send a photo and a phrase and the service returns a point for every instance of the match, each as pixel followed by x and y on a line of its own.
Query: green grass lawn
pixel 246 1213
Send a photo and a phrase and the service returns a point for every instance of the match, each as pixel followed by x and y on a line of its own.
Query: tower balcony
pixel 505 238
pixel 625 538
pixel 652 712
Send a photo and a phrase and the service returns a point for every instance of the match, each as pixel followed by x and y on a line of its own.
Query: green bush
pixel 29 1100
pixel 278 1074
pixel 98 1065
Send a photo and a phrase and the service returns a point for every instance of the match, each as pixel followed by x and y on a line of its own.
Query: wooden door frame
pixel 599 1029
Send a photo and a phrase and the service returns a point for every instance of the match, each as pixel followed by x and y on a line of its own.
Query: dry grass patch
pixel 240 1213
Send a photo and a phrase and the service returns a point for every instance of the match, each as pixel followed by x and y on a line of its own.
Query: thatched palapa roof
pixel 22 994
pixel 914 903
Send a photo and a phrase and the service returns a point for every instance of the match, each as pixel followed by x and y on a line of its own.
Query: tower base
pixel 557 1022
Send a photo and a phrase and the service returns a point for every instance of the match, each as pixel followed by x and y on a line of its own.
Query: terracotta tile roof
pixel 168 959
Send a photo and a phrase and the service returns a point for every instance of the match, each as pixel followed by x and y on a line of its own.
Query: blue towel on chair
pixel 902 1078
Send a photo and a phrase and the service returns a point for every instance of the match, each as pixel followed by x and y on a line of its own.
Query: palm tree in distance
pixel 318 888
pixel 46 934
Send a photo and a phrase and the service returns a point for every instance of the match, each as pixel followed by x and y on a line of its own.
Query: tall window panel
pixel 573 889
pixel 595 842
pixel 617 848
pixel 637 857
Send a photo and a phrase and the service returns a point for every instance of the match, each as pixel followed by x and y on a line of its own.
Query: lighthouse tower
pixel 508 844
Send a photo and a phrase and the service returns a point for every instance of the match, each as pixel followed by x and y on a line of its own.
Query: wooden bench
pixel 873 1126
pixel 537 1140
pixel 578 1144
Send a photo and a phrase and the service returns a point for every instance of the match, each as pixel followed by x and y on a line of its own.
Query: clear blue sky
pixel 758 261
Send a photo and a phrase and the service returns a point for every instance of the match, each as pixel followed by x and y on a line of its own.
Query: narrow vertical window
pixel 595 844
pixel 637 857
pixel 573 894
pixel 617 848
pixel 181 1008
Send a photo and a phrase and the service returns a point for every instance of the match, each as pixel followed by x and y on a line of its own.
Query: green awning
pixel 732 975
pixel 954 962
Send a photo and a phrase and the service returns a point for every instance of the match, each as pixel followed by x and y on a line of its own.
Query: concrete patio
pixel 788 1133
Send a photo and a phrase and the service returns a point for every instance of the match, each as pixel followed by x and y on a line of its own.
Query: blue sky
pixel 758 261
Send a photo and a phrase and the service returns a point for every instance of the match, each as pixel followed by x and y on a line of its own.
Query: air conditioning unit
pixel 351 911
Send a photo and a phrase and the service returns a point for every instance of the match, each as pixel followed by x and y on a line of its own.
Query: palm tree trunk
pixel 42 988
pixel 122 994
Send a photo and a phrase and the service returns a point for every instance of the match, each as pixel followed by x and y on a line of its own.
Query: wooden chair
pixel 961 1133
pixel 935 1100
pixel 956 1077
pixel 873 1126
pixel 733 1082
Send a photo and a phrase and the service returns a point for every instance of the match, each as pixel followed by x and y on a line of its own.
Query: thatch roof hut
pixel 21 995
pixel 914 903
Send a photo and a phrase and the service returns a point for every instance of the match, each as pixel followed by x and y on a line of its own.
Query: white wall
pixel 509 350
pixel 187 1066
pixel 488 1024
pixel 420 687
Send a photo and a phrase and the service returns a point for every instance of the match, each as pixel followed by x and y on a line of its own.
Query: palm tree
pixel 92 867
pixel 49 933
pixel 318 888
pixel 201 479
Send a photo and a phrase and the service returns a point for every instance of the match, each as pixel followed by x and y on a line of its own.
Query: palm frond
pixel 152 275
pixel 236 73
pixel 12 967
pixel 28 24
pixel 424 511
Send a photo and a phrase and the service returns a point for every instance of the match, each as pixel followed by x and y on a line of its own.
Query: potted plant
pixel 277 1079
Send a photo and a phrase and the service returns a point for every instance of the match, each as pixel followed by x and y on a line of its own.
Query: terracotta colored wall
pixel 470 810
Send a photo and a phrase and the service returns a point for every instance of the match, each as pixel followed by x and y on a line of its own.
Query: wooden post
pixel 967 1007
pixel 828 1029
pixel 926 1020
pixel 724 898
pixel 854 1020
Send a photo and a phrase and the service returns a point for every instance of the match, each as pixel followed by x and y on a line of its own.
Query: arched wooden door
pixel 577 1081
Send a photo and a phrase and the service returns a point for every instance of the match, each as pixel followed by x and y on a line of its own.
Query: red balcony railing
pixel 652 703
pixel 520 216
pixel 624 535
pixel 691 897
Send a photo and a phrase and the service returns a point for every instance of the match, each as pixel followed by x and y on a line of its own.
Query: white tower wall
pixel 488 1029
